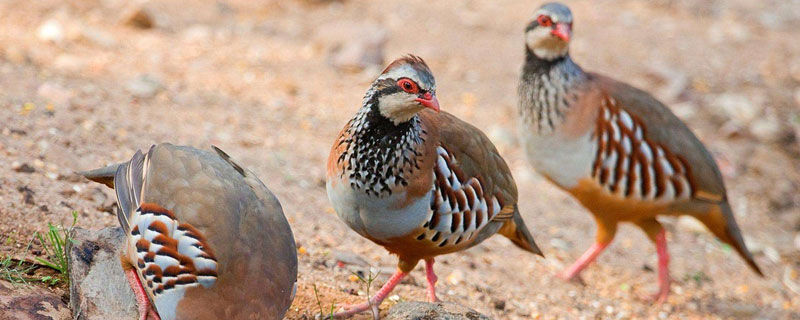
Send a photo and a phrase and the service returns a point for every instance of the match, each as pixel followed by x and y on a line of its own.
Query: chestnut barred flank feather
pixel 171 255
pixel 460 208
pixel 630 165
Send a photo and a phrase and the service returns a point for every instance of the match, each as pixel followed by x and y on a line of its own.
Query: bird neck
pixel 546 90
pixel 380 155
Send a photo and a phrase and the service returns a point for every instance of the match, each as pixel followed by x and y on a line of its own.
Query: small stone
pixel 772 254
pixel 737 107
pixel 98 287
pixel 144 86
pixel 499 304
pixel 439 311
pixel 766 129
pixel 560 244
pixel 196 33
pixel 754 246
pixel 691 224
pixel 98 37
pixel 23 167
pixel 138 18
pixel 51 31
pixel 69 63
pixel 456 277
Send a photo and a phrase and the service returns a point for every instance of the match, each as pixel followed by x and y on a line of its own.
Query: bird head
pixel 404 88
pixel 548 35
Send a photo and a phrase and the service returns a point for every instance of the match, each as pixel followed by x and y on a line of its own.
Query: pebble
pixel 98 37
pixel 797 241
pixel 560 244
pixel 138 17
pixel 144 86
pixel 22 167
pixel 766 129
pixel 456 277
pixel 196 33
pixel 499 304
pixel 737 107
pixel 691 224
pixel 51 31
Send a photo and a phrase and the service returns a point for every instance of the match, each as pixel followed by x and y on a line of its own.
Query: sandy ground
pixel 79 88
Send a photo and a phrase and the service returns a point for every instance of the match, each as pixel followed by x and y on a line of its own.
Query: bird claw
pixel 348 310
pixel 574 278
pixel 659 297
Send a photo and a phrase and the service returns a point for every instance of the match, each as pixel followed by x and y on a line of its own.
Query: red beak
pixel 562 31
pixel 429 101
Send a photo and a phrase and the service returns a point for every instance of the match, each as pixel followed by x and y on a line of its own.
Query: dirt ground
pixel 81 88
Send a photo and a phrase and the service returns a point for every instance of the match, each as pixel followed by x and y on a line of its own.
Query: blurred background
pixel 85 83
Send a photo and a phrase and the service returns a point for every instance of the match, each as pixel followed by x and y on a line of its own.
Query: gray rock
pixel 144 86
pixel 28 302
pixel 98 288
pixel 432 311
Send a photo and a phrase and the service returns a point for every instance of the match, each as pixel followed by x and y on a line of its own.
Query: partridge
pixel 620 152
pixel 205 238
pixel 417 181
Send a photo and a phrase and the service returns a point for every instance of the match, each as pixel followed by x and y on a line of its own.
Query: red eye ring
pixel 407 85
pixel 544 21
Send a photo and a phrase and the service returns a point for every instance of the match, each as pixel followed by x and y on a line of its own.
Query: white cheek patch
pixel 544 45
pixel 398 107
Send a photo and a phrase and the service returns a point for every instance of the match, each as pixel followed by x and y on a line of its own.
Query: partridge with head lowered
pixel 205 238
pixel 615 148
pixel 417 181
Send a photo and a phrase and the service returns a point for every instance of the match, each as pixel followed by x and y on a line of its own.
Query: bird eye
pixel 544 21
pixel 407 85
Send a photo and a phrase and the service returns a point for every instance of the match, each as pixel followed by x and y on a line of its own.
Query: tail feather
pixel 128 182
pixel 103 175
pixel 516 231
pixel 721 223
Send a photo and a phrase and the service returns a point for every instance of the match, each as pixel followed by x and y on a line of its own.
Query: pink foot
pixel 347 311
pixel 587 258
pixel 432 278
pixel 146 310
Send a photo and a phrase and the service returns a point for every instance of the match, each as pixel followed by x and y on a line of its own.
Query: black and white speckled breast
pixel 380 156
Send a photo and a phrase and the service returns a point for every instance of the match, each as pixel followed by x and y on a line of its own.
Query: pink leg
pixel 587 258
pixel 432 278
pixel 375 301
pixel 142 301
pixel 663 268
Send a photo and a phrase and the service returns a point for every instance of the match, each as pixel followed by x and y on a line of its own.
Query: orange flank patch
pixel 613 208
